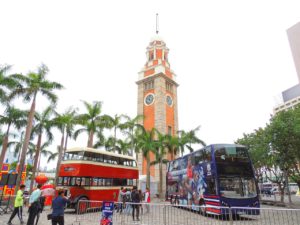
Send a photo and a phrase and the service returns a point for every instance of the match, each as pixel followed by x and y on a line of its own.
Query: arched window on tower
pixel 151 55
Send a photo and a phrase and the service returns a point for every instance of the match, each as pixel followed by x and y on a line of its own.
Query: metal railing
pixel 89 212
pixel 7 203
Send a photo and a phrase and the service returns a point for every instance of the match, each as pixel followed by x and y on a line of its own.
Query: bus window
pixel 130 182
pixel 114 160
pixel 134 163
pixel 73 181
pixel 66 180
pixel 60 181
pixel 87 181
pixel 108 182
pixel 82 183
pixel 107 159
pixel 78 181
pixel 198 157
pixel 95 182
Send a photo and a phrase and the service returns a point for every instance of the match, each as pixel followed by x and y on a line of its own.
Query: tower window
pixel 148 85
pixel 169 87
pixel 151 56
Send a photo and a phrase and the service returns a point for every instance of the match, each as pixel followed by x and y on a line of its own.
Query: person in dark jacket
pixel 58 205
pixel 135 200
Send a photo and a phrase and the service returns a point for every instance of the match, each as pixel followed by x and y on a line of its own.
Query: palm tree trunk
pixel 26 143
pixel 66 143
pixel 59 156
pixel 160 191
pixel 148 171
pixel 4 147
pixel 36 159
pixel 115 138
pixel 90 141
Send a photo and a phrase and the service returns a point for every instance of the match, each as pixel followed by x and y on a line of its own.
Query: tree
pixel 186 139
pixel 12 117
pixel 172 144
pixel 53 155
pixel 147 144
pixel 160 154
pixel 6 82
pixel 128 128
pixel 90 121
pixel 43 124
pixel 29 87
pixel 64 122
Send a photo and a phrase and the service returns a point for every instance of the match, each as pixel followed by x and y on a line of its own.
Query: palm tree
pixel 44 152
pixel 5 82
pixel 172 144
pixel 131 124
pixel 188 138
pixel 120 146
pixel 147 144
pixel 65 123
pixel 12 117
pixel 30 86
pixel 53 155
pixel 90 121
pixel 160 155
pixel 43 124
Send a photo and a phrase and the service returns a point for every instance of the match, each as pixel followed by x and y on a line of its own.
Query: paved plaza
pixel 169 215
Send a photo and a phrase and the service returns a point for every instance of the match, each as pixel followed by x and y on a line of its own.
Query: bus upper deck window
pixel 60 180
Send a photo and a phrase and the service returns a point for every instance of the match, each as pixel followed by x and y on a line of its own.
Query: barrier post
pixel 230 216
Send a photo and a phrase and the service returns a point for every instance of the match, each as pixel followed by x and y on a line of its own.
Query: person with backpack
pixel 127 201
pixel 19 201
pixel 135 197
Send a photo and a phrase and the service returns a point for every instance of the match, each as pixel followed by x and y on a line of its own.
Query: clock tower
pixel 157 98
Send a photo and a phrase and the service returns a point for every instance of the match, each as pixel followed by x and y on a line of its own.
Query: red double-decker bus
pixel 92 174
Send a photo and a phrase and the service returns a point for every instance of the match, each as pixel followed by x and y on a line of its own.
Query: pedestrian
pixel 18 205
pixel 34 205
pixel 120 200
pixel 135 197
pixel 58 205
pixel 147 200
pixel 141 205
pixel 127 201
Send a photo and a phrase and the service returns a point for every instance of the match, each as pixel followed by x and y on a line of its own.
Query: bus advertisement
pixel 92 174
pixel 216 176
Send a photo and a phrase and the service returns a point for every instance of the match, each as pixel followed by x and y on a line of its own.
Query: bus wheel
pixel 82 205
pixel 202 208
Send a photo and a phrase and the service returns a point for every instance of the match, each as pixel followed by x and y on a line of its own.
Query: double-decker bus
pixel 215 177
pixel 92 174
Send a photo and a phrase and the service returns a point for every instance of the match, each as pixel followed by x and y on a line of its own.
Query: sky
pixel 232 58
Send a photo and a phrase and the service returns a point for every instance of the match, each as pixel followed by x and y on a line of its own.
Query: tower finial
pixel 157 23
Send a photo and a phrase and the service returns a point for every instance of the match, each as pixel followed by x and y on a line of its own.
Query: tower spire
pixel 157 23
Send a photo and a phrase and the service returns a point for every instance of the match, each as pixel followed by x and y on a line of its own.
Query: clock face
pixel 169 100
pixel 149 99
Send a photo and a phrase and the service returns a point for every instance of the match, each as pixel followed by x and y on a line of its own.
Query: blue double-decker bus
pixel 215 177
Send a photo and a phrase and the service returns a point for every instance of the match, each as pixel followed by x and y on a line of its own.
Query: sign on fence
pixel 107 213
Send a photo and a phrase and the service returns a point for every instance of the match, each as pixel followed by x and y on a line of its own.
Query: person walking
pixel 120 200
pixel 34 205
pixel 58 205
pixel 147 200
pixel 18 205
pixel 127 201
pixel 135 206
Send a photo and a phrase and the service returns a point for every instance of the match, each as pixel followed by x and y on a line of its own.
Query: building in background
pixel 291 97
pixel 157 101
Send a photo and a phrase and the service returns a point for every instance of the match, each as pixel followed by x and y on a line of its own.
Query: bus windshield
pixel 230 153
pixel 237 187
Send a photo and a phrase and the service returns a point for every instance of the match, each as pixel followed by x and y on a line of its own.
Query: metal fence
pixel 89 213
pixel 6 203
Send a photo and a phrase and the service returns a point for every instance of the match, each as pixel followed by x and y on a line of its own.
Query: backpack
pixel 127 198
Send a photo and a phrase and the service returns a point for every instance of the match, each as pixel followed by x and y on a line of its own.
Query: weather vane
pixel 156 23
